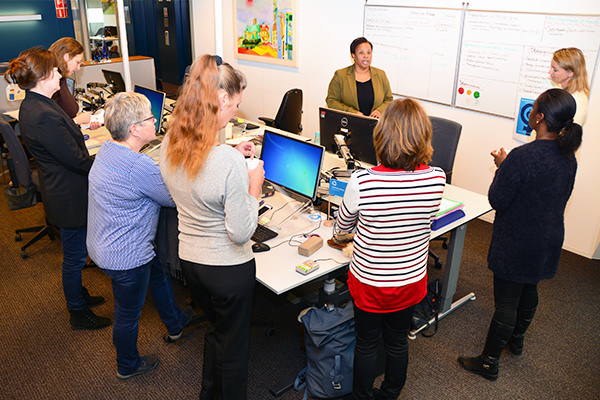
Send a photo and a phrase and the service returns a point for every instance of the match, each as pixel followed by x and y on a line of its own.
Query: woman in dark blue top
pixel 529 193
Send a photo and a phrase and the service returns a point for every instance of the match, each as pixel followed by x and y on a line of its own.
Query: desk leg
pixel 455 249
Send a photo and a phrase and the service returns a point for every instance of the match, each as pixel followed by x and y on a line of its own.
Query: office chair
pixel 289 115
pixel 444 141
pixel 23 190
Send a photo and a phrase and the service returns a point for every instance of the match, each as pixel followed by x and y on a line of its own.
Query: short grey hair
pixel 123 110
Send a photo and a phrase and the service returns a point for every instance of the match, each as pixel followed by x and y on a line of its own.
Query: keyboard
pixel 262 234
pixel 153 145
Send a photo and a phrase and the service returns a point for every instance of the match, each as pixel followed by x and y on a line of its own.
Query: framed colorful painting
pixel 265 31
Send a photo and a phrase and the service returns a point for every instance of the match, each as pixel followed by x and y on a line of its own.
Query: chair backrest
pixel 19 160
pixel 444 141
pixel 289 116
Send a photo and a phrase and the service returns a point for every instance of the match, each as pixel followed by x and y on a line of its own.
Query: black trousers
pixel 225 295
pixel 513 302
pixel 369 328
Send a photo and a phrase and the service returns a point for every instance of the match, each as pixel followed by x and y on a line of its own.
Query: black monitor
pixel 292 163
pixel 115 79
pixel 356 129
pixel 157 103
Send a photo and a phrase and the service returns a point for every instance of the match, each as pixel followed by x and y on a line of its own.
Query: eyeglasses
pixel 147 119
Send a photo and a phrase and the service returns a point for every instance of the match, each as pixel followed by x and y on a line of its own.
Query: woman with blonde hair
pixel 391 207
pixel 217 205
pixel 568 72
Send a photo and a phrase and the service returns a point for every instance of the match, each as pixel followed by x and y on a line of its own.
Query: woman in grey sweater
pixel 217 205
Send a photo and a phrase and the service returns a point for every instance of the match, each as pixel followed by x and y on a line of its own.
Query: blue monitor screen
pixel 292 163
pixel 157 103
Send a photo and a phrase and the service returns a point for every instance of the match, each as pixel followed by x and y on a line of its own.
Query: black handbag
pixel 20 197
pixel 428 308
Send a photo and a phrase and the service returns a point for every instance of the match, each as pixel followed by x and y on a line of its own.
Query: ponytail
pixel 558 107
pixel 569 138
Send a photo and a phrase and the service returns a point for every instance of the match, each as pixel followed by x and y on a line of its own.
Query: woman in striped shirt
pixel 391 206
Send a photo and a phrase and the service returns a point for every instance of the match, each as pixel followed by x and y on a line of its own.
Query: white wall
pixel 203 26
pixel 324 32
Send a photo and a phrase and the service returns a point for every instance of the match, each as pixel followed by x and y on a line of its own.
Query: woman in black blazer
pixel 58 147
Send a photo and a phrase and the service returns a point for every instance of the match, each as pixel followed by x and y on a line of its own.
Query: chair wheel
pixel 18 237
pixel 269 331
pixel 24 254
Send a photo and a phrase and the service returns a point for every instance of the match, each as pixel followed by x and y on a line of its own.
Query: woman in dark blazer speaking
pixel 58 147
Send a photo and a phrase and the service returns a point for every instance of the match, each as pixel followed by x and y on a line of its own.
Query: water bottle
pixel 317 137
pixel 104 51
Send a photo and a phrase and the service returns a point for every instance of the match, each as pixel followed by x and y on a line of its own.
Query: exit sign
pixel 62 9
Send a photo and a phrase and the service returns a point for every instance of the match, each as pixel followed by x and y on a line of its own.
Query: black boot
pixel 481 365
pixel 91 301
pixel 86 319
pixel 515 343
pixel 486 364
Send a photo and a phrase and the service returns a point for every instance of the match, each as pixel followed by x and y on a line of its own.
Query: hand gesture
pixel 499 156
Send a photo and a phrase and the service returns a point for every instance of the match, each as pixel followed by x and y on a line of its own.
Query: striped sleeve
pixel 348 211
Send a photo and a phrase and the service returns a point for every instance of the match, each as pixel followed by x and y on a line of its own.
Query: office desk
pixel 275 268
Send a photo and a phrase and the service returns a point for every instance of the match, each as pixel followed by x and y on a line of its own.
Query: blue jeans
pixel 369 328
pixel 129 289
pixel 74 258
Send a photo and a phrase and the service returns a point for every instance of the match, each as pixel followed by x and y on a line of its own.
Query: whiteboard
pixel 506 56
pixel 417 48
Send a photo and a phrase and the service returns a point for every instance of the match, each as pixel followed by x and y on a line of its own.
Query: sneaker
pixel 86 319
pixel 188 316
pixel 91 301
pixel 149 363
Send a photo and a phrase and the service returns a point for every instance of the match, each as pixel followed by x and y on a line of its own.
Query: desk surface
pixel 276 268
pixel 97 138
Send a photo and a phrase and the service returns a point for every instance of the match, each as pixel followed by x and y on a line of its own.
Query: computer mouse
pixel 260 247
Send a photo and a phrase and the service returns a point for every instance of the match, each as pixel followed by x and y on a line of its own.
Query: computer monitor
pixel 157 103
pixel 115 79
pixel 357 130
pixel 292 163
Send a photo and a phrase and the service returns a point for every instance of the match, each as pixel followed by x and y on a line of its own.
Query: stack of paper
pixel 450 211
